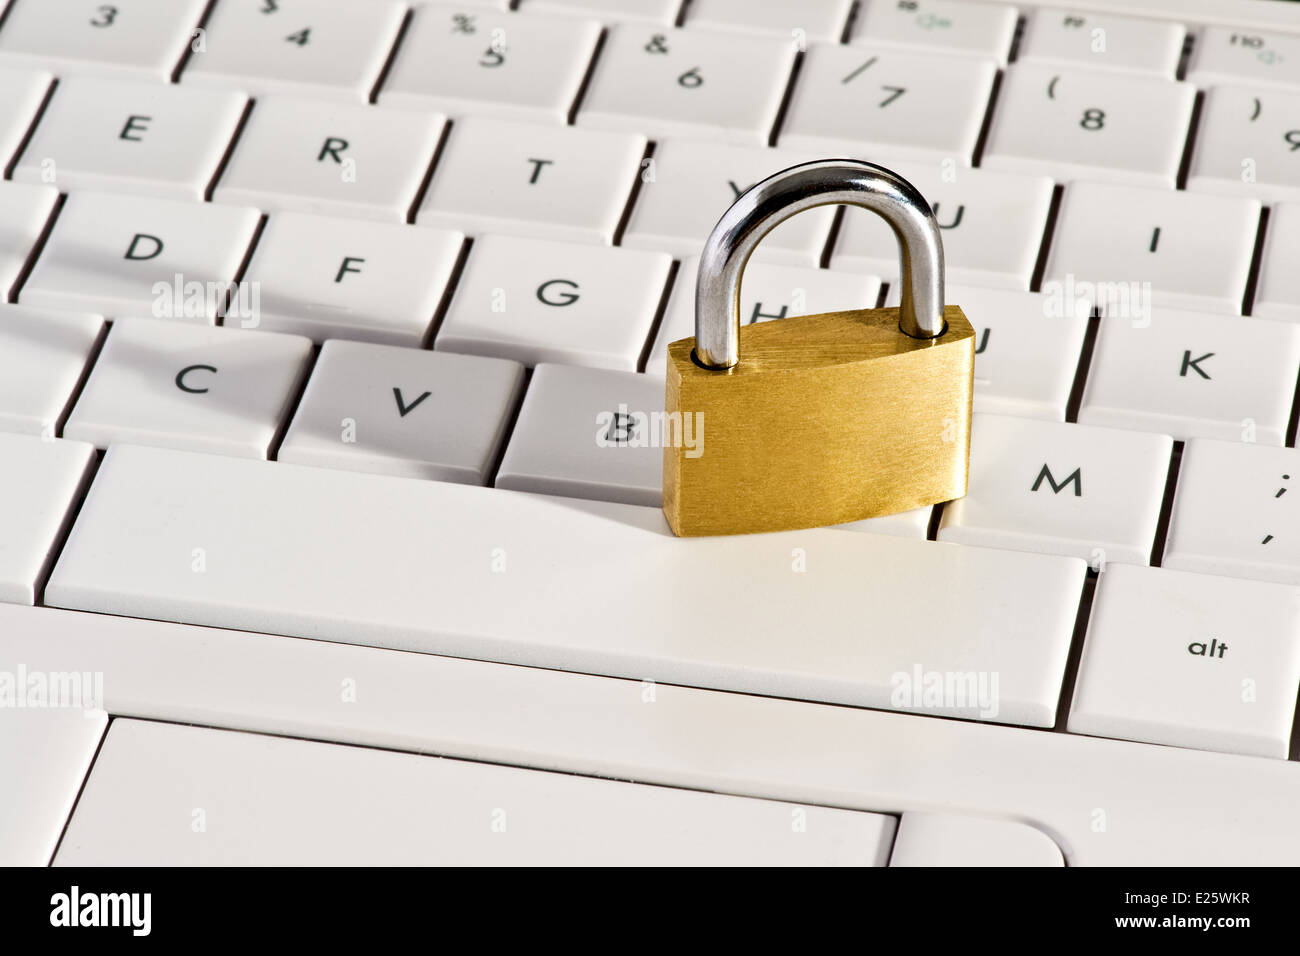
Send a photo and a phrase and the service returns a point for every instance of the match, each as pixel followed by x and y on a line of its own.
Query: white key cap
pixel 1246 144
pixel 21 95
pixel 40 483
pixel 268 521
pixel 692 185
pixel 1234 511
pixel 1056 488
pixel 905 524
pixel 24 210
pixel 1152 797
pixel 1102 41
pixel 1235 55
pixel 1194 376
pixel 195 387
pixel 131 136
pixel 1191 661
pixel 140 38
pixel 1277 294
pixel 401 411
pixel 949 839
pixel 811 21
pixel 317 48
pixel 1027 347
pixel 512 66
pixel 535 301
pixel 49 750
pixel 948 26
pixel 992 226
pixel 532 180
pixel 608 11
pixel 386 808
pixel 725 87
pixel 1074 124
pixel 361 161
pixel 342 278
pixel 767 292
pixel 1123 238
pixel 42 357
pixel 123 255
pixel 588 433
pixel 910 105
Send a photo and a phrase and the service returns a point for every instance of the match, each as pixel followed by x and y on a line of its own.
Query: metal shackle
pixel 766 205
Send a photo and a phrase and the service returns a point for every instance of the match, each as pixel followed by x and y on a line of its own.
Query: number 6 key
pixel 684 82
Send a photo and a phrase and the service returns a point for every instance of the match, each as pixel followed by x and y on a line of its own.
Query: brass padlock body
pixel 826 419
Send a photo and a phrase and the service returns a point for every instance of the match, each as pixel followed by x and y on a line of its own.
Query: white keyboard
pixel 330 333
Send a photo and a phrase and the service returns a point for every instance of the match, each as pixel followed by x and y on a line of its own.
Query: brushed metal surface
pixel 825 419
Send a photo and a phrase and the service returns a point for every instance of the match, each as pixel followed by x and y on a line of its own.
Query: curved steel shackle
pixel 769 203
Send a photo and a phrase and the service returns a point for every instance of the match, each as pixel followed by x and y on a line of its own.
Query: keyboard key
pixel 1277 295
pixel 950 839
pixel 947 26
pixel 590 433
pixel 1102 41
pixel 40 483
pixel 1246 144
pixel 905 524
pixel 725 87
pixel 609 11
pixel 317 48
pixel 693 184
pixel 492 591
pixel 140 38
pixel 1195 376
pixel 42 357
pixel 1100 125
pixel 404 411
pixel 340 278
pixel 1056 488
pixel 992 227
pixel 1152 797
pixel 24 210
pixel 1190 660
pixel 535 301
pixel 361 161
pixel 508 65
pixel 1236 54
pixel 177 385
pixel 1234 511
pixel 122 255
pixel 532 180
pixel 49 749
pixel 131 136
pixel 768 292
pixel 1134 247
pixel 819 21
pixel 1027 347
pixel 904 104
pixel 267 800
pixel 21 94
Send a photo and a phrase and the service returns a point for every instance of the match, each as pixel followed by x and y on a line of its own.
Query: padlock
pixel 821 419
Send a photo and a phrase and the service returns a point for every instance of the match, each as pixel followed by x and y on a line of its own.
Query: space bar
pixel 593 587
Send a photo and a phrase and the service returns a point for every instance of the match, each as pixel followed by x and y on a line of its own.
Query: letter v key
pixel 402 407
